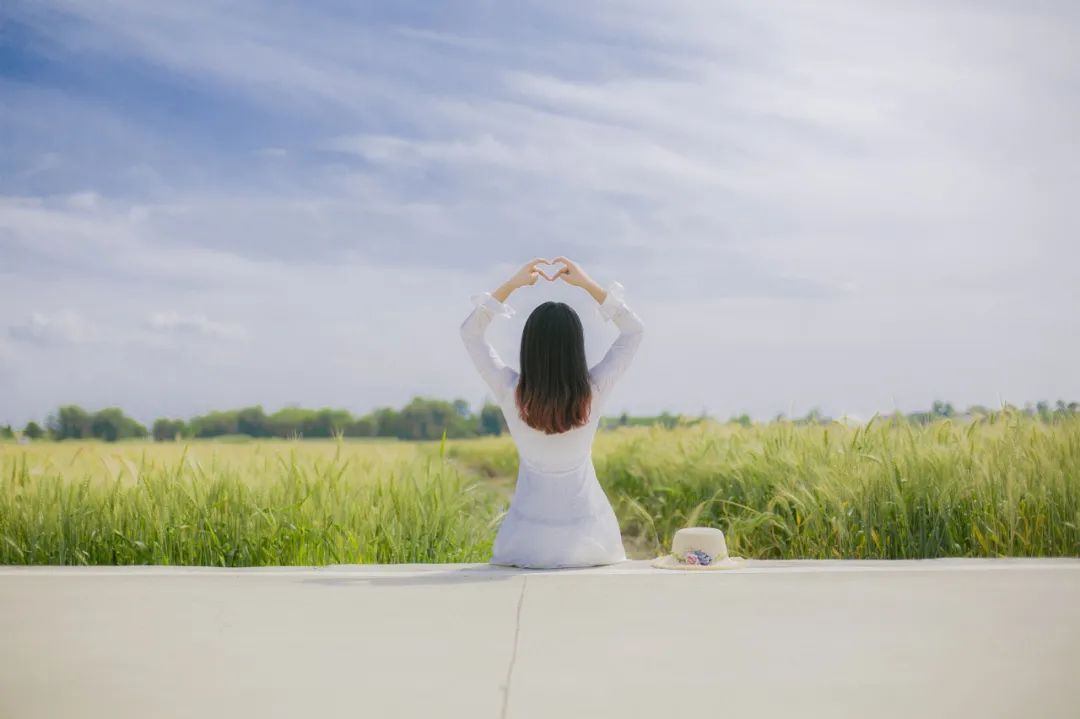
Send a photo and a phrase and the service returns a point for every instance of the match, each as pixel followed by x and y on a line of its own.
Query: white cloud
pixel 198 325
pixel 55 328
pixel 84 200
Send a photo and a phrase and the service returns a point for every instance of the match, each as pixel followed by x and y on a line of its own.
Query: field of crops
pixel 1007 486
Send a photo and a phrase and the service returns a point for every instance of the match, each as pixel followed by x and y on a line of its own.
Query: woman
pixel 559 515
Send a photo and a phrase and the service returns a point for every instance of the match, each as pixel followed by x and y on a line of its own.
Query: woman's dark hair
pixel 553 392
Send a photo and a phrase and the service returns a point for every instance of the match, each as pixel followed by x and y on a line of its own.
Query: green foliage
pixel 70 422
pixel 112 424
pixel 109 424
pixel 665 419
pixel 33 430
pixel 214 424
pixel 286 509
pixel 425 418
pixel 492 420
pixel 169 429
pixel 939 410
pixel 6 432
pixel 1007 484
pixel 422 418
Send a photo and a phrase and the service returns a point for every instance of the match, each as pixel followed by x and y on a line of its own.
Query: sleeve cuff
pixel 613 302
pixel 492 305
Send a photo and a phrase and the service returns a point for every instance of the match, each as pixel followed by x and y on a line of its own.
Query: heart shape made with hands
pixel 549 270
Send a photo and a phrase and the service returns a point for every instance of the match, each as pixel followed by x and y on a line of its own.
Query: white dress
pixel 559 515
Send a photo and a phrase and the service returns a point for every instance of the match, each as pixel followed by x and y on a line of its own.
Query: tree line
pixel 1042 410
pixel 422 418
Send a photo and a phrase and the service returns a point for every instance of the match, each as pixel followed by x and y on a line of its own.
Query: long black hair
pixel 553 393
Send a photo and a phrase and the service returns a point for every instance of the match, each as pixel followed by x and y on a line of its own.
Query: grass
pixel 1007 486
pixel 309 503
pixel 1010 487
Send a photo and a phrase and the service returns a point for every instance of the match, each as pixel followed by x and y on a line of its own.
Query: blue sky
pixel 854 208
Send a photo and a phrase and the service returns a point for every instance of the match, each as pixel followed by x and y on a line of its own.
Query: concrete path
pixel 936 638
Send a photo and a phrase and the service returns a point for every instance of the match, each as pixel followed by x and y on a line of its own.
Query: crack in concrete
pixel 513 654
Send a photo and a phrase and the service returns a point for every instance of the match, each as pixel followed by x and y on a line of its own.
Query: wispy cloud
pixel 45 329
pixel 197 325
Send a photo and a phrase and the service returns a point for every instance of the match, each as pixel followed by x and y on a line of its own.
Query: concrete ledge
pixel 633 566
pixel 942 637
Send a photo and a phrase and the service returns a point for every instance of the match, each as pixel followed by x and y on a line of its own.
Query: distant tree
pixel 387 422
pixel 492 420
pixel 6 432
pixel 425 418
pixel 743 419
pixel 937 411
pixel 326 423
pixel 70 422
pixel 288 422
pixel 214 424
pixel 667 420
pixel 111 424
pixel 1042 409
pixel 167 430
pixel 363 427
pixel 253 422
pixel 942 409
pixel 462 408
pixel 1062 409
pixel 33 430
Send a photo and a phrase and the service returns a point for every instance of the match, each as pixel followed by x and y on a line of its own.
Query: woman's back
pixel 550 452
pixel 559 515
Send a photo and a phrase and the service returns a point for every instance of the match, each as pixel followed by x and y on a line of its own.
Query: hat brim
pixel 668 561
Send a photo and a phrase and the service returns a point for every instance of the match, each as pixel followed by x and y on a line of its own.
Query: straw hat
pixel 698 548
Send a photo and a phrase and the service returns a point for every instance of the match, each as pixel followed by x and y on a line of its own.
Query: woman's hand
pixel 527 275
pixel 572 274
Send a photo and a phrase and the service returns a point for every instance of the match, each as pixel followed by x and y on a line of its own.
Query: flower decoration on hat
pixel 696 556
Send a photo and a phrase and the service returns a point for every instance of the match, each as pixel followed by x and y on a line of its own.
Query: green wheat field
pixel 1007 485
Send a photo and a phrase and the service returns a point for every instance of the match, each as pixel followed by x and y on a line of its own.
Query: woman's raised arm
pixel 498 376
pixel 611 367
pixel 613 307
